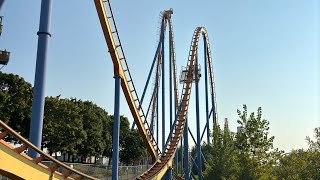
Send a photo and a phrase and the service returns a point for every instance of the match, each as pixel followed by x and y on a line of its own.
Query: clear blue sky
pixel 266 53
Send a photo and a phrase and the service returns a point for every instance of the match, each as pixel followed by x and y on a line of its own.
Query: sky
pixel 265 54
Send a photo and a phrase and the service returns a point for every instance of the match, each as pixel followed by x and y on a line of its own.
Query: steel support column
pixel 169 174
pixel 116 129
pixel 36 123
pixel 1 3
pixel 198 121
pixel 186 151
pixel 206 88
pixel 157 111
pixel 163 89
pixel 170 77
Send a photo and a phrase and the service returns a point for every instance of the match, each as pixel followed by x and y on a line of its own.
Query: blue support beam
pixel 116 129
pixel 151 100
pixel 211 112
pixel 150 72
pixel 206 89
pixel 169 174
pixel 163 89
pixel 194 140
pixel 170 76
pixel 204 130
pixel 1 3
pixel 186 151
pixel 36 123
pixel 155 94
pixel 148 79
pixel 198 145
pixel 181 155
pixel 157 114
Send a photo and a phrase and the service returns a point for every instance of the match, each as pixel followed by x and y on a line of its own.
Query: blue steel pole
pixel 206 89
pixel 198 122
pixel 170 87
pixel 116 129
pixel 163 90
pixel 181 153
pixel 170 77
pixel 36 123
pixel 148 79
pixel 157 110
pixel 150 72
pixel 154 94
pixel 169 173
pixel 213 108
pixel 1 3
pixel 186 151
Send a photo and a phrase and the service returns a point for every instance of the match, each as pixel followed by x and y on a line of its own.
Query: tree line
pixel 82 129
pixel 249 153
pixel 72 127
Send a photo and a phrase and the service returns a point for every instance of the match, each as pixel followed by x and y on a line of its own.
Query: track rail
pixel 121 69
pixel 26 144
pixel 159 168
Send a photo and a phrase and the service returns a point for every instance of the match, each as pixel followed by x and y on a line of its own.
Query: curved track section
pixel 17 165
pixel 165 20
pixel 121 69
pixel 158 169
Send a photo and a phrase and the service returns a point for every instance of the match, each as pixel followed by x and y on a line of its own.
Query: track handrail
pixel 43 155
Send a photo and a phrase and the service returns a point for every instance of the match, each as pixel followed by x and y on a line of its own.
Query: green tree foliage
pixel 223 163
pixel 255 146
pixel 301 164
pixel 63 126
pixel 131 145
pixel 205 150
pixel 133 148
pixel 314 144
pixel 15 102
pixel 72 126
pixel 249 154
pixel 94 119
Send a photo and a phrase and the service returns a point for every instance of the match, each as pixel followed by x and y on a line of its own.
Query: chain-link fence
pixel 4 178
pixel 104 172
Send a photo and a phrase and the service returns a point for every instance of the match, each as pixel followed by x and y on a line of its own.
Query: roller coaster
pixel 17 165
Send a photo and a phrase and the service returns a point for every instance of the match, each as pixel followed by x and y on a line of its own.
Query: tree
pixel 301 164
pixel 314 154
pixel 223 163
pixel 133 148
pixel 131 145
pixel 205 151
pixel 255 146
pixel 314 144
pixel 63 127
pixel 293 166
pixel 124 130
pixel 15 102
pixel 93 120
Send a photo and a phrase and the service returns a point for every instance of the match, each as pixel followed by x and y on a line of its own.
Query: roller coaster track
pixel 159 168
pixel 121 69
pixel 162 161
pixel 17 165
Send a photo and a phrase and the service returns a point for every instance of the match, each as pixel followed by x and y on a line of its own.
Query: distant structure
pixel 4 55
pixel 1 25
pixel 238 129
pixel 226 124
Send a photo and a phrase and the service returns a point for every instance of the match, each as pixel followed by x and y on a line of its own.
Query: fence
pixel 104 172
